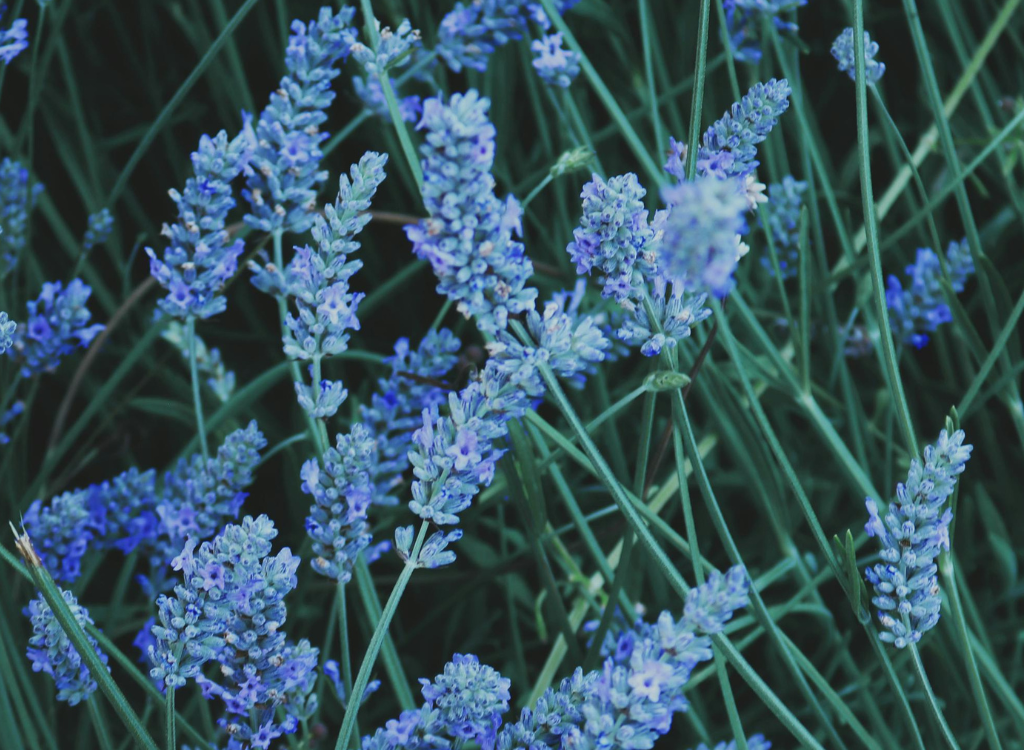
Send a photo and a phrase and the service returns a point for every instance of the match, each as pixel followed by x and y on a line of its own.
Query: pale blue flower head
pixel 919 308
pixel 58 323
pixel 743 22
pixel 101 224
pixel 785 199
pixel 7 330
pixel 556 65
pixel 729 146
pixel 845 55
pixel 14 39
pixel 18 196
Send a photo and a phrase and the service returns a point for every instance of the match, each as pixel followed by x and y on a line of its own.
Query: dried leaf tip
pixel 24 544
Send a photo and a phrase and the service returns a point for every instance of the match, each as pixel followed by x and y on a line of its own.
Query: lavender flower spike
pixel 912 534
pixel 468 238
pixel 201 257
pixel 843 52
pixel 58 323
pixel 13 40
pixel 729 146
pixel 7 330
pixel 282 187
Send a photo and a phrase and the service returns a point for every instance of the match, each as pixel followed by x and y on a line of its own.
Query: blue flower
pixel 18 196
pixel 332 671
pixel 629 702
pixel 614 236
pixel 58 323
pixel 123 510
pixel 920 308
pixel 260 670
pixel 555 65
pixel 743 21
pixel 282 187
pixel 701 246
pixel 913 532
pixel 754 742
pixel 200 256
pixel 464 704
pixel 7 329
pixel 369 90
pixel 675 165
pixel 393 48
pixel 318 282
pixel 729 146
pixel 843 52
pixel 468 238
pixel 51 651
pixel 396 407
pixel 676 311
pixel 61 531
pixel 785 200
pixel 101 224
pixel 13 40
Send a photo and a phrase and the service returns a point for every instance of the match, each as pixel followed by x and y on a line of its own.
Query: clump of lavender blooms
pixel 317 281
pixel 201 256
pixel 631 700
pixel 51 651
pixel 18 196
pixel 58 323
pixel 844 53
pixel 282 186
pixel 729 146
pixel 468 238
pixel 785 199
pixel 464 704
pixel 676 312
pixel 917 310
pixel 61 531
pixel 7 330
pixel 754 742
pixel 100 226
pixel 556 65
pixel 912 534
pixel 744 19
pixel 13 39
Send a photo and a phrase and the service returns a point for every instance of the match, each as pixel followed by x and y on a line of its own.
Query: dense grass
pixel 763 459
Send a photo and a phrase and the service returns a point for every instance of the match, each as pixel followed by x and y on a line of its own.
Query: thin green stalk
pixel 197 399
pixel 346 654
pixel 647 37
pixel 933 701
pixel 960 626
pixel 699 76
pixel 53 596
pixel 172 740
pixel 871 227
pixel 99 723
pixel 377 639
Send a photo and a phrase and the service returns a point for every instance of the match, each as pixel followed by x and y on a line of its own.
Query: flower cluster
pixel 51 651
pixel 18 196
pixel 282 186
pixel 464 704
pixel 393 47
pixel 7 330
pixel 912 534
pixel 129 512
pixel 754 742
pixel 920 308
pixel 200 256
pixel 474 29
pixel 101 224
pixel 14 39
pixel 555 65
pixel 743 20
pixel 676 312
pixel 614 236
pixel 701 245
pixel 630 701
pixel 261 671
pixel 729 146
pixel 208 360
pixel 468 237
pixel 785 200
pixel 845 55
pixel 58 323
pixel 369 91
pixel 318 282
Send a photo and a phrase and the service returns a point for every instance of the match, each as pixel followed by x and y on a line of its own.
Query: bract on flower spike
pixel 18 196
pixel 919 309
pixel 58 323
pixel 51 651
pixel 913 532
pixel 201 256
pixel 317 282
pixel 464 704
pixel 631 699
pixel 468 238
pixel 282 186
pixel 843 52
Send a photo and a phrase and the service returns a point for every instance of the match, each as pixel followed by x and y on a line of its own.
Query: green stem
pixel 197 399
pixel 172 741
pixel 871 227
pixel 933 702
pixel 346 655
pixel 699 75
pixel 99 723
pixel 376 640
